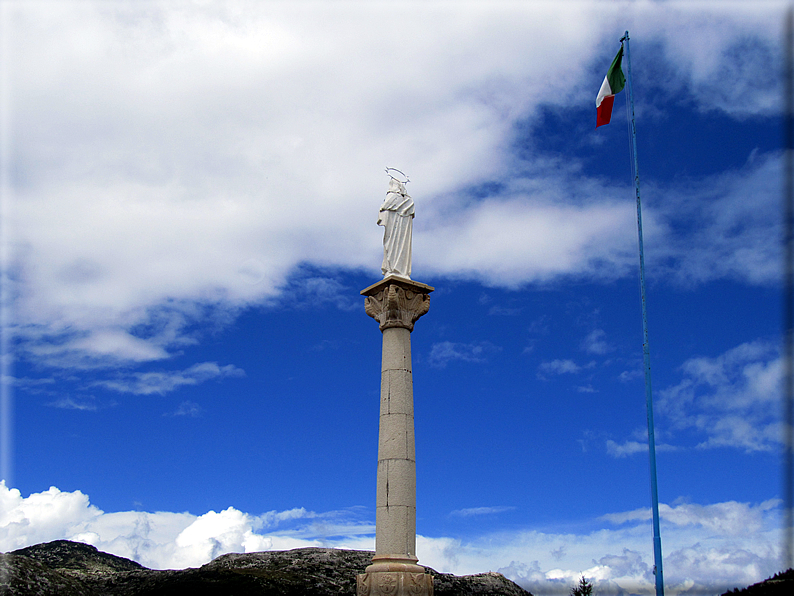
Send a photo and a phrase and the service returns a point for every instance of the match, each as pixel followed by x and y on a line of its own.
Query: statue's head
pixel 396 186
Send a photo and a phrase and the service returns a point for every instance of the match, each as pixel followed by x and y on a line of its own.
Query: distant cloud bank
pixel 701 547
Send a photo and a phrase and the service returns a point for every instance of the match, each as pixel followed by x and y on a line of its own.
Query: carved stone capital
pixel 394 583
pixel 397 302
pixel 394 306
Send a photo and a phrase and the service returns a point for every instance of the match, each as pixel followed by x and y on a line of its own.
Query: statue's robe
pixel 397 216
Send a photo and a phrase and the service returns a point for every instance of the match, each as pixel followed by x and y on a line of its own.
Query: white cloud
pixel 164 382
pixel 214 534
pixel 727 519
pixel 174 162
pixel 630 447
pixel 164 540
pixel 586 389
pixel 595 342
pixel 472 511
pixel 727 52
pixel 629 375
pixel 444 352
pixel 730 400
pixel 626 448
pixel 504 311
pixel 70 403
pixel 561 367
pixel 187 408
pixel 29 385
pixel 532 239
pixel 736 238
pixel 701 550
pixel 700 541
pixel 40 517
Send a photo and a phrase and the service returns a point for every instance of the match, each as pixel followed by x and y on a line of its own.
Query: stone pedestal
pixel 394 583
pixel 396 303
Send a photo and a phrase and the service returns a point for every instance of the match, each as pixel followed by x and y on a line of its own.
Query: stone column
pixel 396 303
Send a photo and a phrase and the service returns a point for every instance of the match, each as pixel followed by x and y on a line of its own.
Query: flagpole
pixel 646 353
pixel 788 294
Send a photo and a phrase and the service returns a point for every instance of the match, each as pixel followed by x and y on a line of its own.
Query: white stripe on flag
pixel 603 92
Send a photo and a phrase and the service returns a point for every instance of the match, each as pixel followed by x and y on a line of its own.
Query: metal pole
pixel 646 353
pixel 788 295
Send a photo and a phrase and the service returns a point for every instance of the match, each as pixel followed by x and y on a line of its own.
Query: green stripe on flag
pixel 615 74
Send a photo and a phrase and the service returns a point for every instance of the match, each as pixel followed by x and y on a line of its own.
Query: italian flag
pixel 613 83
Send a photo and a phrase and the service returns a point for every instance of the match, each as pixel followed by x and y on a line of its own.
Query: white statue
pixel 397 216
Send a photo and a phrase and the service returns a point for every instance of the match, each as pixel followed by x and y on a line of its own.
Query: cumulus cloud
pixel 69 403
pixel 214 534
pixel 726 54
pixel 533 238
pixel 164 540
pixel 700 541
pixel 307 289
pixel 472 511
pixel 29 385
pixel 187 408
pixel 164 382
pixel 562 367
pixel 630 375
pixel 728 519
pixel 731 400
pixel 444 352
pixel 504 311
pixel 736 238
pixel 630 447
pixel 559 367
pixel 40 517
pixel 174 163
pixel 595 342
pixel 626 448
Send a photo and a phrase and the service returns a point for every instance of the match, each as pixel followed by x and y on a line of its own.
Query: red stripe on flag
pixel 604 114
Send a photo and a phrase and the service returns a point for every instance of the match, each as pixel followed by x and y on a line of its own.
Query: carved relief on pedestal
pixel 387 584
pixel 394 583
pixel 362 584
pixel 395 306
pixel 416 584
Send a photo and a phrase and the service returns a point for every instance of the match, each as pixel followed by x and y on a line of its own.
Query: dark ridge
pixel 64 554
pixel 22 575
pixel 780 584
pixel 65 568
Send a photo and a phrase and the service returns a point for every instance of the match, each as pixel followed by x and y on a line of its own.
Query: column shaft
pixel 396 482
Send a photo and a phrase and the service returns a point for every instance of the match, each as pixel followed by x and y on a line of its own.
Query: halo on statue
pixel 403 174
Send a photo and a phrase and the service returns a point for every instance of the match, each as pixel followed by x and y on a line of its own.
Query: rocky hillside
pixel 66 568
pixel 781 584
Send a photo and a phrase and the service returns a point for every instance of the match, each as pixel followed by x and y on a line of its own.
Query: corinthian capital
pixel 397 302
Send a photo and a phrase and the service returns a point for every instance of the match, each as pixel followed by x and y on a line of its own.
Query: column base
pixel 394 583
pixel 402 563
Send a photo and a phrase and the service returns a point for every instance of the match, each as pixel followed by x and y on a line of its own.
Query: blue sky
pixel 190 193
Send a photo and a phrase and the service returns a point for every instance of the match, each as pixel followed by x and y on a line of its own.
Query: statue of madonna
pixel 397 215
